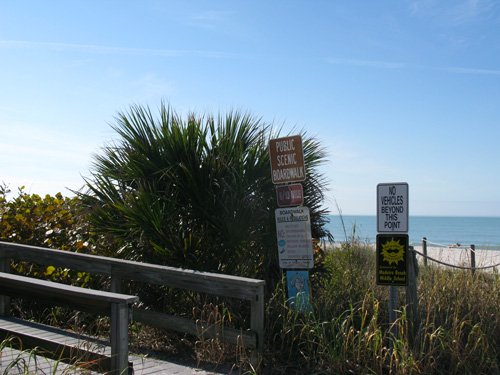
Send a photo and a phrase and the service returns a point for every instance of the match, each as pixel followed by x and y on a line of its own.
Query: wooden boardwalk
pixel 22 363
pixel 26 362
pixel 112 303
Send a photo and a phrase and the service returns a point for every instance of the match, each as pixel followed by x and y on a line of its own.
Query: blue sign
pixel 299 296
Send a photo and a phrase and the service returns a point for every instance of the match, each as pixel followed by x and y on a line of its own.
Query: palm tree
pixel 194 192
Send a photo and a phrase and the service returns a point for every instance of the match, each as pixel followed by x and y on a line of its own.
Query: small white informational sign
pixel 293 229
pixel 392 207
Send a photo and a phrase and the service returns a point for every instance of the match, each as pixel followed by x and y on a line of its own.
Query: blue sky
pixel 396 90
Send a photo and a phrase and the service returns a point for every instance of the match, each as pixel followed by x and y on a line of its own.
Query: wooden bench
pixel 117 306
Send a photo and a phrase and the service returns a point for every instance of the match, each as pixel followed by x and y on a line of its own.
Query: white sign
pixel 293 229
pixel 392 207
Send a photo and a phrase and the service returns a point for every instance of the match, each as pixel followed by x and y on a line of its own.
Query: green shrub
pixel 195 192
pixel 50 221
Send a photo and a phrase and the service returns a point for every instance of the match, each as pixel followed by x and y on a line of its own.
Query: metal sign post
pixel 392 244
pixel 393 304
pixel 293 221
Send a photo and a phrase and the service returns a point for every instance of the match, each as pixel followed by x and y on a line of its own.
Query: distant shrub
pixel 49 221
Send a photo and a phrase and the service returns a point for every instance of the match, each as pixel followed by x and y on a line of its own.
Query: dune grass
pixel 348 330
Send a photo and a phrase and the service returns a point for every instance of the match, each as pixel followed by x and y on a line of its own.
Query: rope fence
pixel 455 266
pixel 459 247
pixel 470 250
pixel 454 246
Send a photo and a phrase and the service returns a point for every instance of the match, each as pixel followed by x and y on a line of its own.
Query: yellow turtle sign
pixel 391 256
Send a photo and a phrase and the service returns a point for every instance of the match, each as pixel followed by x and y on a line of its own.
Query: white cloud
pixel 210 19
pixel 367 63
pixel 454 12
pixel 98 49
pixel 460 70
pixel 399 65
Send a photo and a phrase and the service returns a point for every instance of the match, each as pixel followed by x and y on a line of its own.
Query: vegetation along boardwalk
pixel 14 362
pixel 116 305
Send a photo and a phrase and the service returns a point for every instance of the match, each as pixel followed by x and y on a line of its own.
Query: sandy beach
pixel 461 256
pixel 457 256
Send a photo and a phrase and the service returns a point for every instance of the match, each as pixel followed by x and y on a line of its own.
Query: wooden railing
pixel 115 305
pixel 120 271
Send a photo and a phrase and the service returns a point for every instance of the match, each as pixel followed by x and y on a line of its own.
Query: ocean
pixel 483 232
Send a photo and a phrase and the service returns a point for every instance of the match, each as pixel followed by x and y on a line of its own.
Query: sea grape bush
pixel 50 221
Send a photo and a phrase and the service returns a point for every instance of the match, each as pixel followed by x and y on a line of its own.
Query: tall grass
pixel 30 361
pixel 348 332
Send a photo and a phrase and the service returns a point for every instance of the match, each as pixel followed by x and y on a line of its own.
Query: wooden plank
pixel 119 337
pixel 116 305
pixel 412 296
pixel 4 300
pixel 230 335
pixel 257 318
pixel 30 364
pixel 57 258
pixel 61 347
pixel 43 330
pixel 206 282
pixel 116 284
pixel 17 285
pixel 15 362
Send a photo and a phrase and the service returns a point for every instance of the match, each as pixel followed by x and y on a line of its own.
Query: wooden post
pixel 393 303
pixel 119 338
pixel 412 295
pixel 116 284
pixel 424 248
pixel 473 258
pixel 4 300
pixel 257 323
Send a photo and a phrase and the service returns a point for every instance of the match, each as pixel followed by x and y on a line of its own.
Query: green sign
pixel 392 265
